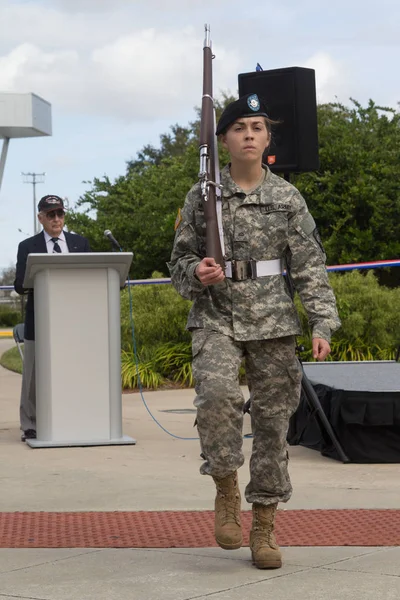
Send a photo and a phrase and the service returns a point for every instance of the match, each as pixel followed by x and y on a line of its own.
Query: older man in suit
pixel 52 239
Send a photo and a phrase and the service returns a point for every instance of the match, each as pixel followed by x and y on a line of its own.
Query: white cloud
pixel 333 79
pixel 90 5
pixel 54 29
pixel 28 68
pixel 145 75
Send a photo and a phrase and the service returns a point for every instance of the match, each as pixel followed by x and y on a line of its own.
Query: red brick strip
pixel 192 529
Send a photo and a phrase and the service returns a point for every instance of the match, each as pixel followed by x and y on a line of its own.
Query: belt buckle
pixel 244 269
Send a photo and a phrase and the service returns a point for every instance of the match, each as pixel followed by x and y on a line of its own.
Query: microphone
pixel 112 239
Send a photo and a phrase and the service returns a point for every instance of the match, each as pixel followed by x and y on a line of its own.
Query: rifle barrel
pixel 208 149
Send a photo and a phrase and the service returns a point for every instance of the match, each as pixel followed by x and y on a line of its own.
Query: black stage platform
pixel 362 403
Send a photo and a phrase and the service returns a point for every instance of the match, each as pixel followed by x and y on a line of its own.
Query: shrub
pixel 9 317
pixel 175 362
pixel 133 370
pixel 370 329
pixel 369 312
pixel 370 318
pixel 159 316
pixel 169 363
pixel 163 345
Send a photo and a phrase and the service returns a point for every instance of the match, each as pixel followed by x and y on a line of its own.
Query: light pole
pixel 34 178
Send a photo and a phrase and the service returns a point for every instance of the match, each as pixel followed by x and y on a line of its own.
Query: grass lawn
pixel 11 360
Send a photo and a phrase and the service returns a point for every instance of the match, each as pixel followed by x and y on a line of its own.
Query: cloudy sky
pixel 118 73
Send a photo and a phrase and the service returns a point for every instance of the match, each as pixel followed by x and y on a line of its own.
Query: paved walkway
pixel 161 473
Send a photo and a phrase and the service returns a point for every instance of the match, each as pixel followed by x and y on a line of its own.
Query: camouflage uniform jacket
pixel 270 222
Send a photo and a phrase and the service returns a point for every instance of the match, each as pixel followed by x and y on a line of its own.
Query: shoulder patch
pixel 178 219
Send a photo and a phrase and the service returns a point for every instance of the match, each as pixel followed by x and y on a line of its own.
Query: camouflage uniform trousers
pixel 274 378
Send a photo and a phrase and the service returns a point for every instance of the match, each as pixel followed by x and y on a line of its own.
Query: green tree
pixel 7 276
pixel 171 145
pixel 142 205
pixel 355 196
pixel 142 208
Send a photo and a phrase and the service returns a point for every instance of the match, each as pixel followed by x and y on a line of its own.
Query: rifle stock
pixel 209 170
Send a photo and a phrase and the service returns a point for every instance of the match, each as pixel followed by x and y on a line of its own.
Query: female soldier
pixel 245 311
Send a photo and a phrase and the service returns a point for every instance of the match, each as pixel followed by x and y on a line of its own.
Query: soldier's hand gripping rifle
pixel 209 164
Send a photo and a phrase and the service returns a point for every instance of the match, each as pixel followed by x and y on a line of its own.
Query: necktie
pixel 56 247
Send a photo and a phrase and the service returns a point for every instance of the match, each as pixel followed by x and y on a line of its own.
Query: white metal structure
pixel 22 116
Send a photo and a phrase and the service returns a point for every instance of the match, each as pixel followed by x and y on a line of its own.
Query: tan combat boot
pixel 228 531
pixel 264 549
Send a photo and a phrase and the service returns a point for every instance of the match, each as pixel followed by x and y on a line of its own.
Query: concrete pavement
pixel 161 473
pixel 180 574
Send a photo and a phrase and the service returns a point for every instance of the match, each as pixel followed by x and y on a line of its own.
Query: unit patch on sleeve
pixel 178 219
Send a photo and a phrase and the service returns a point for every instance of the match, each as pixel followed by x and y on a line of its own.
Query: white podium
pixel 78 347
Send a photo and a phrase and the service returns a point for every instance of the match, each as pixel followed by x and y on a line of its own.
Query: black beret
pixel 247 106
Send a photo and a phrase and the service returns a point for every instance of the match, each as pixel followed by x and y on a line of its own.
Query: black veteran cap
pixel 247 106
pixel 50 203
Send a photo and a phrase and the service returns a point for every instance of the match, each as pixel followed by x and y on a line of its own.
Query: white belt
pixel 238 270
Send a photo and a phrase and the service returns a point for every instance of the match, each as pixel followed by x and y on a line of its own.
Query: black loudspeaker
pixel 290 97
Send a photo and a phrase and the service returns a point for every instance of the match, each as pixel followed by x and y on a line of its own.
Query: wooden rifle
pixel 209 163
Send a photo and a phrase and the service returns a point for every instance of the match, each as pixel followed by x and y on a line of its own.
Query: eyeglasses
pixel 52 214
